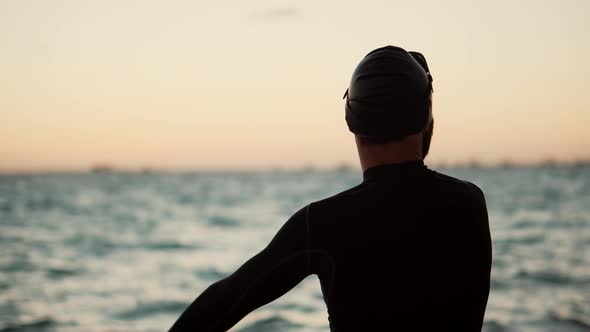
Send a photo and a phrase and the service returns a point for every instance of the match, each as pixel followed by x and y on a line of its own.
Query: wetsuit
pixel 408 249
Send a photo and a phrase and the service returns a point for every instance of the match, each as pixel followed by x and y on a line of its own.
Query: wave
pixel 520 240
pixel 5 207
pixel 40 203
pixel 271 324
pixel 296 307
pixel 496 284
pixel 101 246
pixel 168 245
pixel 222 221
pixel 494 326
pixel 144 309
pixel 59 273
pixel 17 265
pixel 43 324
pixel 95 245
pixel 572 314
pixel 548 276
pixel 211 274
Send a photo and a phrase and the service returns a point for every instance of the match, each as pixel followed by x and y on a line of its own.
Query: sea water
pixel 129 252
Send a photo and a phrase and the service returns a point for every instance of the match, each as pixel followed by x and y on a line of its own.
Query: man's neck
pixel 409 149
pixel 371 162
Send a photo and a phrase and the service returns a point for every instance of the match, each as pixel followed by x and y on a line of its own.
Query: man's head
pixel 389 101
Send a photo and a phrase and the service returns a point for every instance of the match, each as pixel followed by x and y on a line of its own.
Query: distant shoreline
pixel 107 169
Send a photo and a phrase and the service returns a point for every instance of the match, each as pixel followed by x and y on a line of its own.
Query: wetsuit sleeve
pixel 478 247
pixel 268 275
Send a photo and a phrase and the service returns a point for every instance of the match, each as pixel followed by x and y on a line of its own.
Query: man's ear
pixel 429 126
pixel 430 122
pixel 427 138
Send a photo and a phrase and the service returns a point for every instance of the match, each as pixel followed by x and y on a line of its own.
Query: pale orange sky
pixel 259 84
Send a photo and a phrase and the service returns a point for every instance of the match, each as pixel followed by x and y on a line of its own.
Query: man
pixel 408 249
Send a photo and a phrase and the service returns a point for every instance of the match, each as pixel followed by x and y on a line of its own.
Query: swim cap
pixel 389 94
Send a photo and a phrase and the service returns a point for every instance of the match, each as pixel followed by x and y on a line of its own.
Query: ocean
pixel 129 251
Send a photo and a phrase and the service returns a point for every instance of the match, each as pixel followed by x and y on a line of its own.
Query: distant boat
pixel 344 167
pixel 473 164
pixel 581 163
pixel 147 170
pixel 549 163
pixel 101 169
pixel 308 168
pixel 506 164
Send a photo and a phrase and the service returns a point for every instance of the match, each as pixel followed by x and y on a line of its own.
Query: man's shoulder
pixel 329 204
pixel 338 198
pixel 456 184
pixel 335 199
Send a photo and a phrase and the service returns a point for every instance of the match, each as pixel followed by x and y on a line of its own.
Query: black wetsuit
pixel 408 249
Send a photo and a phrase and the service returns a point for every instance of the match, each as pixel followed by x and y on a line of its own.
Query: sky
pixel 259 84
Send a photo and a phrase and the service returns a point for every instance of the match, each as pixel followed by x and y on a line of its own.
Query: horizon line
pixel 343 166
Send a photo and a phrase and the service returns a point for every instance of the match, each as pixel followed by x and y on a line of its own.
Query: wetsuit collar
pixel 389 170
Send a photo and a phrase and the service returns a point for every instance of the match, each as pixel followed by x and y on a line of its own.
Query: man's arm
pixel 478 250
pixel 268 275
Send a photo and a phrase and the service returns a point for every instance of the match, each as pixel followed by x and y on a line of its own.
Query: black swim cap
pixel 389 94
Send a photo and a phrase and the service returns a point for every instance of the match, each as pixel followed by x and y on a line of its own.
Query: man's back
pixel 407 248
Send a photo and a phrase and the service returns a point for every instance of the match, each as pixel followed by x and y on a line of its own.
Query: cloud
pixel 280 13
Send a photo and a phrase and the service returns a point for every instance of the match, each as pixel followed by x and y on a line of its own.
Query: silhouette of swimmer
pixel 408 249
